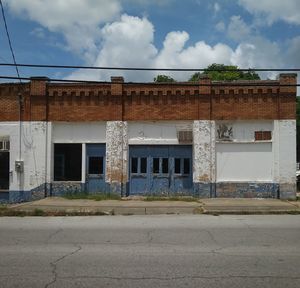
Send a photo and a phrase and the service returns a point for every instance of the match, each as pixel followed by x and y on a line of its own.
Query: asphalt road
pixel 150 251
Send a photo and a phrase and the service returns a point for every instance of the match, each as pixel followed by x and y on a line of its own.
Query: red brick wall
pixel 117 101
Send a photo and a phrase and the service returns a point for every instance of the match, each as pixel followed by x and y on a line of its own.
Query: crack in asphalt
pixel 53 234
pixel 54 264
pixel 183 277
pixel 149 236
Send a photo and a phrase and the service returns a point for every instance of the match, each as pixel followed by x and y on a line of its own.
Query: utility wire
pixel 150 69
pixel 192 84
pixel 9 42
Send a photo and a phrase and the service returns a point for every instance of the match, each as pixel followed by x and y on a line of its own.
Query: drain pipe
pixel 18 165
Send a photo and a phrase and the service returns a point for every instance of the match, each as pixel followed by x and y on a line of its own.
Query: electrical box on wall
pixel 19 166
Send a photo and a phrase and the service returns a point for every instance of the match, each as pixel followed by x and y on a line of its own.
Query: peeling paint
pixel 204 151
pixel 116 152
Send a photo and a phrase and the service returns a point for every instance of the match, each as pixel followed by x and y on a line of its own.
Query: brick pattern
pixel 9 100
pixel 138 102
pixel 263 135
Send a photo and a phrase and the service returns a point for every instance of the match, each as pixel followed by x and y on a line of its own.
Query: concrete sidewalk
pixel 60 206
pixel 249 206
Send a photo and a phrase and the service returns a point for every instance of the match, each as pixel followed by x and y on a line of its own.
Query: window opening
pixel 165 165
pixel 134 165
pixel 155 165
pixel 95 165
pixel 144 165
pixel 186 166
pixel 263 135
pixel 177 166
pixel 67 162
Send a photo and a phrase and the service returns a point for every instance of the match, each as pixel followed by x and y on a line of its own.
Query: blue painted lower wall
pixel 247 190
pixel 200 190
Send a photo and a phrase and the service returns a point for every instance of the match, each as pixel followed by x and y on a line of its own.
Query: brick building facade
pixel 207 139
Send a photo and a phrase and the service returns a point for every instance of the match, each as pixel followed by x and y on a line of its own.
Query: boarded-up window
pixel 263 135
pixel 185 136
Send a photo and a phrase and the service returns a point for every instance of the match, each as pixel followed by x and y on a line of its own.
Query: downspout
pixel 20 136
pixel 46 146
pixel 122 145
pixel 210 154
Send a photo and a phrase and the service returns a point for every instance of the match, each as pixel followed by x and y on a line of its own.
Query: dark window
pixel 186 166
pixel 4 170
pixel 165 165
pixel 177 166
pixel 156 165
pixel 67 162
pixel 95 165
pixel 143 165
pixel 134 165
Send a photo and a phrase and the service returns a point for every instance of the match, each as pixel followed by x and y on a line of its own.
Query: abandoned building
pixel 205 139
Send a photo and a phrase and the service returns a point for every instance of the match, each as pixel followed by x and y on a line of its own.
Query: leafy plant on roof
pixel 216 72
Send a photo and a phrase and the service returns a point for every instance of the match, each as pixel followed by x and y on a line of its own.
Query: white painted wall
pixel 156 132
pixel 243 131
pixel 33 153
pixel 82 132
pixel 243 159
pixel 244 162
pixel 285 151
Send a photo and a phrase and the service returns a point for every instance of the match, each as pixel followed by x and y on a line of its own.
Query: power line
pixel 150 69
pixel 192 84
pixel 9 42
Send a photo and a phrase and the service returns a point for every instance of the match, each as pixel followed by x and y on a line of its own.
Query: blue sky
pixel 141 33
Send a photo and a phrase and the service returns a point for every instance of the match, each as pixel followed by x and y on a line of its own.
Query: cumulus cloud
pixel 274 10
pixel 130 40
pixel 77 20
pixel 258 52
pixel 238 29
pixel 127 41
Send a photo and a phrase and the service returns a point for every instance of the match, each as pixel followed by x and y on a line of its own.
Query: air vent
pixel 185 136
pixel 4 145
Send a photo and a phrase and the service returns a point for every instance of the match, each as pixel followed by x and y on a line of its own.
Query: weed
pixel 38 212
pixel 95 197
pixel 173 198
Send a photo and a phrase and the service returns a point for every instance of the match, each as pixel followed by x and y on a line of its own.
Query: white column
pixel 116 155
pixel 284 141
pixel 204 156
pixel 83 164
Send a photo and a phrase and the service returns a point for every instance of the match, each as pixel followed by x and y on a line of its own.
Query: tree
pixel 163 78
pixel 216 72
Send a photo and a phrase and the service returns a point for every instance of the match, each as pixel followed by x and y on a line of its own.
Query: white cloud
pixel 129 42
pixel 258 52
pixel 220 26
pixel 38 32
pixel 274 10
pixel 238 29
pixel 217 7
pixel 175 55
pixel 77 20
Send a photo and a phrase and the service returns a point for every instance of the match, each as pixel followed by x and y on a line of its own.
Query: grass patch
pixel 38 212
pixel 173 198
pixel 95 197
pixel 3 207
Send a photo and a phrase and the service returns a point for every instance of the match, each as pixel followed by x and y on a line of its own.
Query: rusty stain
pixel 204 178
